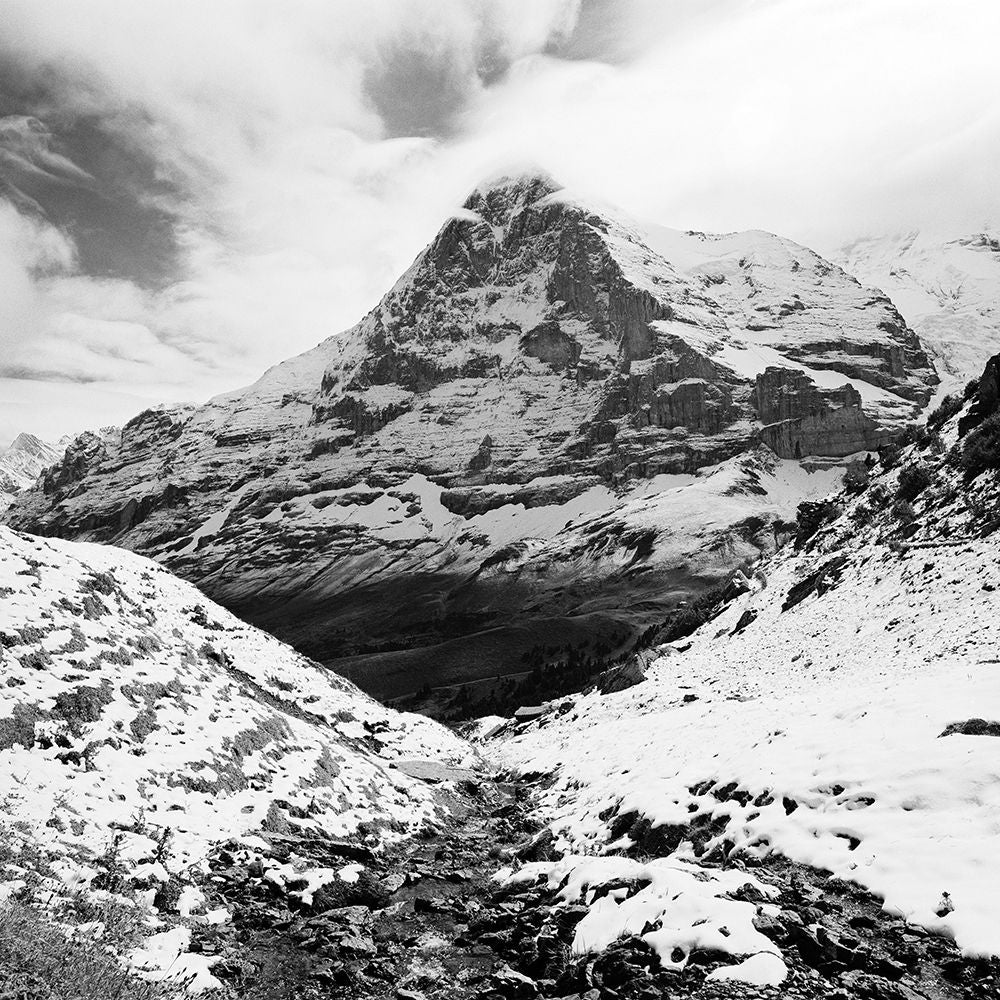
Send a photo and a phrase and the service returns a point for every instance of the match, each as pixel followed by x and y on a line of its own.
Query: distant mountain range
pixel 22 461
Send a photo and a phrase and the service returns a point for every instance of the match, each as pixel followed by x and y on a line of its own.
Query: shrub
pixel 971 388
pixel 878 496
pixel 811 516
pixel 888 455
pixel 686 620
pixel 856 477
pixel 39 961
pixel 862 515
pixel 904 512
pixel 948 407
pixel 981 450
pixel 913 480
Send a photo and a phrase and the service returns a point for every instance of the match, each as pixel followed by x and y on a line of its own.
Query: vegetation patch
pixel 38 961
pixel 19 728
pixel 981 450
pixel 948 407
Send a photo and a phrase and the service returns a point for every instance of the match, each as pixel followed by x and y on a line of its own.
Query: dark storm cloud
pixel 417 93
pixel 88 177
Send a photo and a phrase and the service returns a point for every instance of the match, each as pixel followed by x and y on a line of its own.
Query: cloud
pixel 228 183
pixel 815 118
pixel 262 134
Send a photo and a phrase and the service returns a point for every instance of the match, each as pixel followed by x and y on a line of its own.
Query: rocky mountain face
pixel 22 461
pixel 556 425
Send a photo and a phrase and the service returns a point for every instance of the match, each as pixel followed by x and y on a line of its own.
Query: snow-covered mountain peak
pixel 498 199
pixel 22 461
pixel 543 359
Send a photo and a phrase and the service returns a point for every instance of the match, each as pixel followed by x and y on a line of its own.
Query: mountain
pixel 556 425
pixel 833 726
pixel 21 463
pixel 145 732
pixel 948 289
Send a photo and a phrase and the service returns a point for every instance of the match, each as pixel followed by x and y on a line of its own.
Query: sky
pixel 191 192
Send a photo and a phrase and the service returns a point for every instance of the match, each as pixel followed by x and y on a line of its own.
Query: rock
pixel 817 582
pixel 538 848
pixel 986 401
pixel 513 985
pixel 625 675
pixel 769 926
pixel 339 895
pixel 971 727
pixel 357 944
pixel 747 618
pixel 351 915
pixel 528 713
pixel 801 419
pixel 168 895
pixel 435 773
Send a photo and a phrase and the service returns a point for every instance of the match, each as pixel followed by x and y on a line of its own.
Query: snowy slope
pixel 835 731
pixel 949 291
pixel 135 713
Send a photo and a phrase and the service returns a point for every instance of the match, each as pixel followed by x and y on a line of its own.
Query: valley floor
pixel 431 920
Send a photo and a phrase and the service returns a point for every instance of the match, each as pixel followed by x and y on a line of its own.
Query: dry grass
pixel 39 962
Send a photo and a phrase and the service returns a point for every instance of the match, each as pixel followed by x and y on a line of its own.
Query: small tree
pixel 947 408
pixel 904 512
pixel 913 480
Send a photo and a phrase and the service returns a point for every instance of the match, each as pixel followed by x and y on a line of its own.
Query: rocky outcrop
pixel 986 400
pixel 394 489
pixel 551 492
pixel 84 453
pixel 801 419
pixel 550 344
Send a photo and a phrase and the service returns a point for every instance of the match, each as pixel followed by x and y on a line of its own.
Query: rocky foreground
pixel 431 920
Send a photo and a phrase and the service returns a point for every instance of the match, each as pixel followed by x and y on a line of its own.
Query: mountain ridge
pixel 535 341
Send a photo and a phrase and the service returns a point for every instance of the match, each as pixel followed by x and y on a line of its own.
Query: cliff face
pixel 802 419
pixel 488 440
